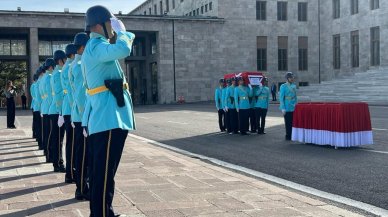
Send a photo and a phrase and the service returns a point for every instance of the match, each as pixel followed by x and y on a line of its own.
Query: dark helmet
pixel 221 80
pixel 239 79
pixel 70 49
pixel 81 39
pixel 97 15
pixel 289 75
pixel 59 55
pixel 49 62
pixel 229 81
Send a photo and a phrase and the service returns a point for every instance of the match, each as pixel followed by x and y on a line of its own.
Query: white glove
pixel 85 133
pixel 238 110
pixel 72 125
pixel 284 112
pixel 41 115
pixel 226 109
pixel 61 121
pixel 117 25
pixel 250 86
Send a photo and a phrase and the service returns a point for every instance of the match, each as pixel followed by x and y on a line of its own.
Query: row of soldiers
pixel 240 104
pixel 82 92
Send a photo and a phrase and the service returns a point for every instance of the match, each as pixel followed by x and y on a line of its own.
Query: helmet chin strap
pixel 105 30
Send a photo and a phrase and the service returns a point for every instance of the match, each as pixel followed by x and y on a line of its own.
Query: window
pixel 167 5
pixel 262 53
pixel 18 48
pixel 210 6
pixel 375 46
pixel 261 10
pixel 145 12
pixel 374 4
pixel 173 4
pixel 303 54
pixel 197 11
pixel 194 13
pixel 202 9
pixel 149 11
pixel 336 52
pixel 302 11
pixel 283 53
pixel 336 9
pixel 353 7
pixel 205 8
pixel 161 7
pixel 190 14
pixel 282 11
pixel 355 44
pixel 155 9
pixel 5 47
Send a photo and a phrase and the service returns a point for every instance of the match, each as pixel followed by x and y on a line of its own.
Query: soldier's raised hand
pixel 117 25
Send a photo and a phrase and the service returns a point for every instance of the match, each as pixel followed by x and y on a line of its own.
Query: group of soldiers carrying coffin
pixel 241 105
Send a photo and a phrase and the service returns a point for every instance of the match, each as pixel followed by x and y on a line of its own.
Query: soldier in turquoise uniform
pixel 261 104
pixel 288 100
pixel 230 108
pixel 70 52
pixel 220 104
pixel 109 109
pixel 36 108
pixel 45 92
pixel 79 98
pixel 241 96
pixel 32 93
pixel 57 120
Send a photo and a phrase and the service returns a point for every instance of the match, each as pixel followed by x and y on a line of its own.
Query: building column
pixel 33 58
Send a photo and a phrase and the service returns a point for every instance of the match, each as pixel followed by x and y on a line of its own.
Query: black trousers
pixel 288 122
pixel 273 96
pixel 221 119
pixel 232 121
pixel 81 159
pixel 252 120
pixel 70 148
pixel 106 150
pixel 243 116
pixel 10 112
pixel 46 137
pixel 261 114
pixel 56 141
pixel 37 128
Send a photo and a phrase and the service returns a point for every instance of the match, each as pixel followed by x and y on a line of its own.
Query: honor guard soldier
pixel 241 96
pixel 261 104
pixel 231 107
pixel 220 104
pixel 288 100
pixel 55 111
pixel 37 107
pixel 109 105
pixel 32 90
pixel 45 92
pixel 79 98
pixel 70 52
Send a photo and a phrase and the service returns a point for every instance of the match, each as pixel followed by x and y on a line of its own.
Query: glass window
pixel 18 47
pixel 210 6
pixel 374 4
pixel 336 52
pixel 59 45
pixel 45 48
pixel 282 11
pixel 353 7
pixel 283 53
pixel 303 53
pixel 5 47
pixel 302 11
pixel 375 46
pixel 261 10
pixel 167 6
pixel 336 9
pixel 262 53
pixel 355 44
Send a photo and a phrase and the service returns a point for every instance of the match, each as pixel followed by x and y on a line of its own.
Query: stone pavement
pixel 151 181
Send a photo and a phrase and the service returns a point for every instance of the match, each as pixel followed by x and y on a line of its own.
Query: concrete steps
pixel 370 86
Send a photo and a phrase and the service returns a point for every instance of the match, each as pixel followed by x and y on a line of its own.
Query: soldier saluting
pixel 109 109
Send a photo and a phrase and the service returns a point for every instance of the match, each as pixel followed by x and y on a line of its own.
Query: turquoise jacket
pixel 45 92
pixel 57 92
pixel 79 89
pixel 219 98
pixel 287 97
pixel 228 102
pixel 32 92
pixel 261 97
pixel 67 93
pixel 241 96
pixel 37 96
pixel 99 62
